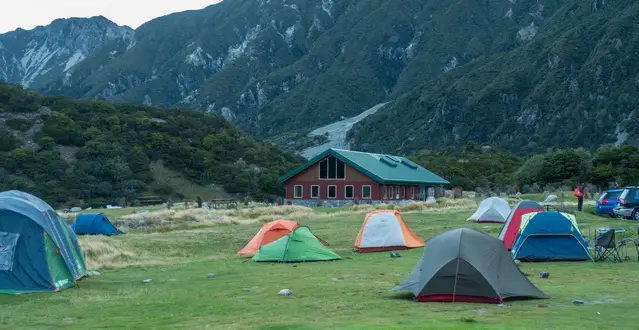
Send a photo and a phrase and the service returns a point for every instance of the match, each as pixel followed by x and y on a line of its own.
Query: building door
pixel 431 193
pixel 422 193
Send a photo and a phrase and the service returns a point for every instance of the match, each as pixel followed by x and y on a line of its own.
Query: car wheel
pixel 612 215
pixel 635 215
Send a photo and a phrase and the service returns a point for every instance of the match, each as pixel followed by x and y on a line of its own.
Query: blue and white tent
pixel 94 224
pixel 549 236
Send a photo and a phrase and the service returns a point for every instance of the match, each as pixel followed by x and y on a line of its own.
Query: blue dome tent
pixel 94 224
pixel 549 236
pixel 38 251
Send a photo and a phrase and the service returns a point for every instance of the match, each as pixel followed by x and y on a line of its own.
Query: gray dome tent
pixel 465 265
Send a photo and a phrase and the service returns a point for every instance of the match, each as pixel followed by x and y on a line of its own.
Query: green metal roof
pixel 385 169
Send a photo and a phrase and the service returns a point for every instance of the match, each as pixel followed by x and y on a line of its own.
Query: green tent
pixel 299 246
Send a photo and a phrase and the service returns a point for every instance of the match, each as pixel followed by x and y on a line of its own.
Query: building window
pixel 397 192
pixel 412 193
pixel 403 192
pixel 298 192
pixel 349 192
pixel 332 191
pixel 390 192
pixel 366 192
pixel 332 168
pixel 315 191
pixel 384 194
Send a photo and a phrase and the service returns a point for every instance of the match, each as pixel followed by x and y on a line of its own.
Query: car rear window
pixel 624 194
pixel 612 195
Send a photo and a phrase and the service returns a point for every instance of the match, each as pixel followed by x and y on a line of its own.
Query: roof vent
pixel 389 161
pixel 410 164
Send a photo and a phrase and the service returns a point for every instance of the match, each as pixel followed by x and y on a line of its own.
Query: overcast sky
pixel 28 14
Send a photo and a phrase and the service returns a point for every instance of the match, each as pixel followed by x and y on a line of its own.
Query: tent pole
pixel 456 276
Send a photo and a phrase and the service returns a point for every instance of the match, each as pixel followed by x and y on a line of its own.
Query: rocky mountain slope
pixel 48 54
pixel 280 69
pixel 66 150
pixel 574 84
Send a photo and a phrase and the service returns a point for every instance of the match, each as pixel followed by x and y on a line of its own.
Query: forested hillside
pixel 65 150
pixel 573 85
pixel 484 169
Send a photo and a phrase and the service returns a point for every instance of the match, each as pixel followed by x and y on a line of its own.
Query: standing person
pixel 579 193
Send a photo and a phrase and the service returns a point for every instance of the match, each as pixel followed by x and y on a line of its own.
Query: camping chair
pixel 606 247
pixel 630 240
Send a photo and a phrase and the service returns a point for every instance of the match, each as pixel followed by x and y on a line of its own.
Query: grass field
pixel 353 293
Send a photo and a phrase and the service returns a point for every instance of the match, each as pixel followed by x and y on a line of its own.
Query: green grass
pixel 351 293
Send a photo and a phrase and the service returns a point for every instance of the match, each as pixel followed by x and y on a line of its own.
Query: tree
pixel 7 140
pixel 566 164
pixel 47 143
pixel 619 164
pixel 61 128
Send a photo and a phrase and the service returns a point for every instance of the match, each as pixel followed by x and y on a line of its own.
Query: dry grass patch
pixel 443 204
pixel 69 217
pixel 169 219
pixel 104 252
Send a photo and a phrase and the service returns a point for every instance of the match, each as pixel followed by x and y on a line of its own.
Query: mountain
pixel 47 54
pixel 66 150
pixel 573 85
pixel 450 69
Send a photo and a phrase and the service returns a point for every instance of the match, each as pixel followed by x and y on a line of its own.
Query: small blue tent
pixel 38 251
pixel 549 236
pixel 94 224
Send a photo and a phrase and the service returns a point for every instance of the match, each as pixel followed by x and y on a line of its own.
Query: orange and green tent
pixel 270 232
pixel 299 246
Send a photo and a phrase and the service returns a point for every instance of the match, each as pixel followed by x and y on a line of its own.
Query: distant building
pixel 339 177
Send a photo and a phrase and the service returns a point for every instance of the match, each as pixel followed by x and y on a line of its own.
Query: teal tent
pixel 94 224
pixel 38 250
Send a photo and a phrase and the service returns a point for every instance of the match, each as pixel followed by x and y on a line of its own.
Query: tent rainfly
pixel 464 265
pixel 270 232
pixel 493 209
pixel 94 224
pixel 38 250
pixel 386 230
pixel 550 236
pixel 510 229
pixel 298 246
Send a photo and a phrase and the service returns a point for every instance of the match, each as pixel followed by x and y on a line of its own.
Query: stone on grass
pixel 294 265
pixel 517 262
pixel 394 255
pixel 578 302
pixel 148 280
pixel 544 275
pixel 93 273
pixel 542 305
pixel 285 292
pixel 211 275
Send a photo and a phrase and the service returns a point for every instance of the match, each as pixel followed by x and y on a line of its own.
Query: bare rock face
pixel 40 56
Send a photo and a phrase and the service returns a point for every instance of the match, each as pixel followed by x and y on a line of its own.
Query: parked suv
pixel 607 202
pixel 628 204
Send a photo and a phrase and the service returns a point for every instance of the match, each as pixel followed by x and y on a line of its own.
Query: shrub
pixel 19 124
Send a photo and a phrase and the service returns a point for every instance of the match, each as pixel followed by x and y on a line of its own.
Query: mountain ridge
pixel 279 69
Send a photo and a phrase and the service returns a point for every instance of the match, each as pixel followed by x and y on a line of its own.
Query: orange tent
pixel 270 232
pixel 386 231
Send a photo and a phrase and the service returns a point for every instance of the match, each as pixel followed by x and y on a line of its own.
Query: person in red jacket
pixel 579 193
